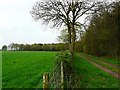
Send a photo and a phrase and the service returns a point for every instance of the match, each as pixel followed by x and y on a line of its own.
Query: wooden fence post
pixel 62 76
pixel 45 81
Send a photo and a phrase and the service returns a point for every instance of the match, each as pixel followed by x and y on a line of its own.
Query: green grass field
pixel 25 69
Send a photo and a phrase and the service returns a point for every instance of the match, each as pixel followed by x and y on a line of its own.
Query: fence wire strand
pixel 70 80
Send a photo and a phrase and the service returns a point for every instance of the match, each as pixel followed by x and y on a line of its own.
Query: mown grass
pixel 25 69
pixel 93 77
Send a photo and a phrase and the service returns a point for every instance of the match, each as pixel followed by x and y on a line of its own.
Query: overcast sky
pixel 17 25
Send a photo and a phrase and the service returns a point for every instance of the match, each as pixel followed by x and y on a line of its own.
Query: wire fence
pixel 63 75
pixel 55 77
pixel 71 80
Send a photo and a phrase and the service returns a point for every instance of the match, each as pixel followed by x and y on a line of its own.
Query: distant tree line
pixel 44 47
pixel 36 47
pixel 39 47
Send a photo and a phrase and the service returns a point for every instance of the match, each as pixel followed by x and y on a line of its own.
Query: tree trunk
pixel 71 51
pixel 70 43
pixel 71 40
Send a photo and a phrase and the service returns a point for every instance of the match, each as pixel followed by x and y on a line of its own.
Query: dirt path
pixel 103 68
pixel 112 65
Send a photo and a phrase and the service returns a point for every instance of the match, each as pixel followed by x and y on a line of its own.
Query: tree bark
pixel 70 42
pixel 72 38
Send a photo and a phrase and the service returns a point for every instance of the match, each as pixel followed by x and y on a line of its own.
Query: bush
pixel 70 75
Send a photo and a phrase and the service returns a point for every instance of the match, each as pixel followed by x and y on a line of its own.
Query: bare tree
pixel 67 12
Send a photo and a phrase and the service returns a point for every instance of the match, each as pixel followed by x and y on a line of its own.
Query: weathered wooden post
pixel 62 76
pixel 46 81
